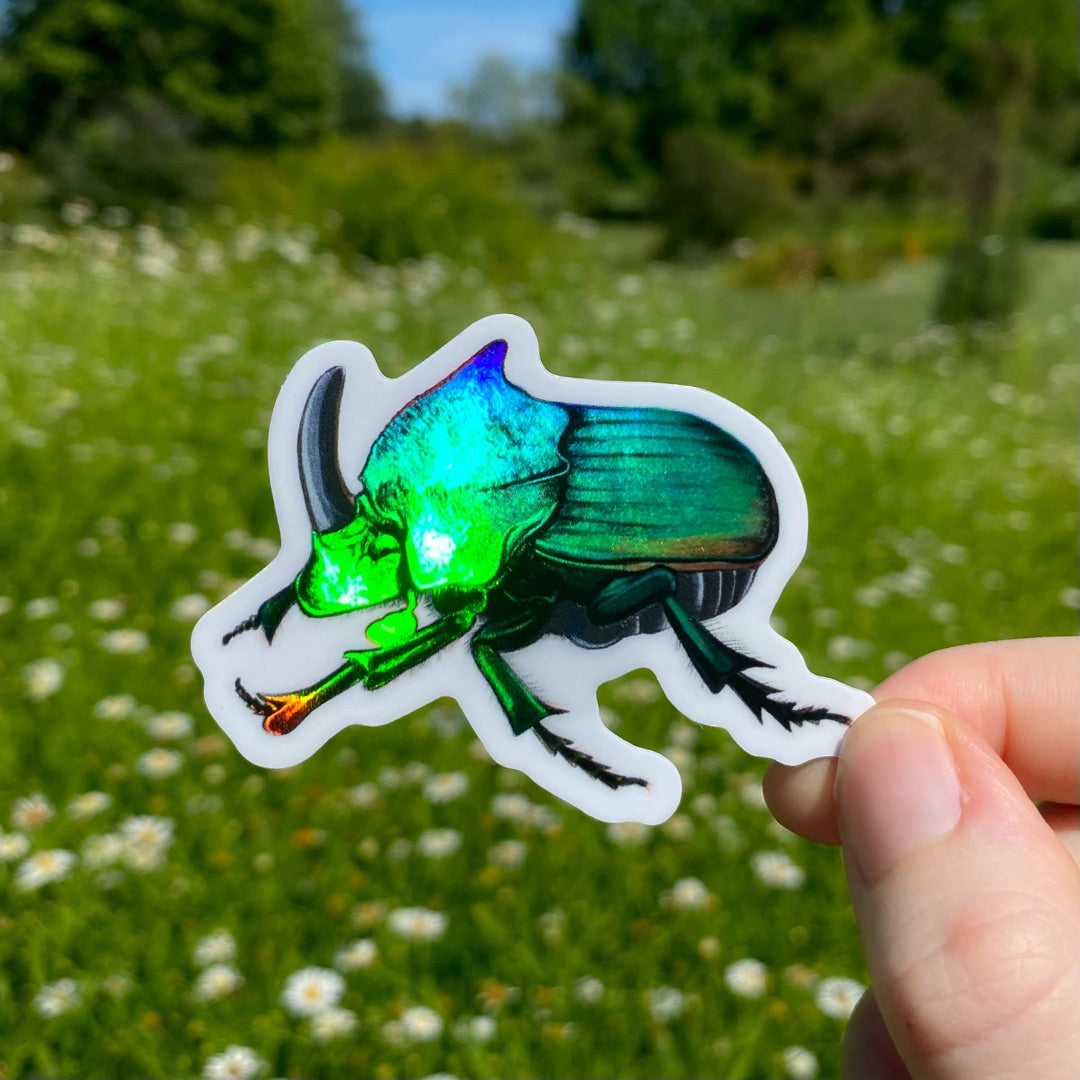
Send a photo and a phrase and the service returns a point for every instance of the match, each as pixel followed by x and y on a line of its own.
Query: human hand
pixel 966 893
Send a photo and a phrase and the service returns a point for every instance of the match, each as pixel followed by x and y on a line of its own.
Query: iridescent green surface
pixel 654 486
pixel 352 568
pixel 466 472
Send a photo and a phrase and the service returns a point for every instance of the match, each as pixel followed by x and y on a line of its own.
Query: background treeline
pixel 929 124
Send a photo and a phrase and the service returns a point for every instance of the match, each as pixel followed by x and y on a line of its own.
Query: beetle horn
pixel 329 503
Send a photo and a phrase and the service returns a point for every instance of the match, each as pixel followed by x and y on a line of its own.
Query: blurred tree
pixel 1003 62
pixel 870 89
pixel 501 100
pixel 250 72
pixel 685 63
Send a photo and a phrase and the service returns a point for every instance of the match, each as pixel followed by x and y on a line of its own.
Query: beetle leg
pixel 627 595
pixel 559 744
pixel 387 664
pixel 523 708
pixel 281 713
pixel 721 666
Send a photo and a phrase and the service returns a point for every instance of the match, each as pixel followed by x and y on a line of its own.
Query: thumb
pixel 966 900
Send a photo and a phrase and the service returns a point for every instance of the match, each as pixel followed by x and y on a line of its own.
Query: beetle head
pixel 355 563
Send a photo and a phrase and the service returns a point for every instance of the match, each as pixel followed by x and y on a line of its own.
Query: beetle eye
pixel 385 544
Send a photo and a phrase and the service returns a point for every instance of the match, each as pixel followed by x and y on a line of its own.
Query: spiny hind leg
pixel 718 665
pixel 522 707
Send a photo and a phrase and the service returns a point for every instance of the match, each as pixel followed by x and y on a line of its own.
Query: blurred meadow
pixel 400 906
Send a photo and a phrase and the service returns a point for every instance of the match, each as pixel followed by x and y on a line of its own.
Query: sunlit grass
pixel 137 374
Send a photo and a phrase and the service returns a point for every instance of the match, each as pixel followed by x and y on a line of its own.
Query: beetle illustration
pixel 504 518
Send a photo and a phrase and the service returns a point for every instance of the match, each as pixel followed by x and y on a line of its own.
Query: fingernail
pixel 897 788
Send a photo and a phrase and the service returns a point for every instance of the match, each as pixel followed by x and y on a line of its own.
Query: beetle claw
pixel 280 712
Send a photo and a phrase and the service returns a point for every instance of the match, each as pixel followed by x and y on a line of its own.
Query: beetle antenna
pixel 248 624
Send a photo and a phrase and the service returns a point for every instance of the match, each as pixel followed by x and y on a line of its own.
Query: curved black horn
pixel 329 504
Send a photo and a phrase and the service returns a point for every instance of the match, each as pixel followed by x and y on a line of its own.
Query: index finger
pixel 1022 697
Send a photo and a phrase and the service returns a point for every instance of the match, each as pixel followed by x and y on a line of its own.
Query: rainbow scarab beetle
pixel 488 518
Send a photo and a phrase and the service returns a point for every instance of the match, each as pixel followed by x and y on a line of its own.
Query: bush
pixel 139 155
pixel 983 280
pixel 21 189
pixel 708 196
pixel 388 201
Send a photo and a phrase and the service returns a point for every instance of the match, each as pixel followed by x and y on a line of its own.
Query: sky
pixel 420 48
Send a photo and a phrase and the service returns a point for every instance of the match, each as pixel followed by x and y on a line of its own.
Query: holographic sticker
pixel 482 529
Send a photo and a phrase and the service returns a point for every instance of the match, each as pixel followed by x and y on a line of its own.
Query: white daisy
pixel 800 1063
pixel 182 533
pixel 628 833
pixel 190 607
pixel 445 787
pixel 13 845
pixel 57 998
pixel 508 853
pixel 170 726
pixel 106 609
pixel 364 796
pixel 217 981
pixel 418 923
pixel 41 607
pixel 312 990
pixel 125 642
pixel 115 707
pixel 146 839
pixel 688 894
pixel 159 762
pixel 103 849
pixel 747 978
pixel 511 807
pixel 89 804
pixel 438 843
pixel 421 1024
pixel 333 1023
pixel 218 947
pixel 837 996
pixel 589 990
pixel 358 954
pixel 234 1063
pixel 479 1029
pixel 665 1003
pixel 31 811
pixel 42 679
pixel 778 869
pixel 44 867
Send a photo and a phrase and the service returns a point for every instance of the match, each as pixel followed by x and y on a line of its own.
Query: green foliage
pixel 139 155
pixel 983 280
pixel 389 201
pixel 708 195
pixel 254 72
pixel 779 263
pixel 711 63
pixel 900 141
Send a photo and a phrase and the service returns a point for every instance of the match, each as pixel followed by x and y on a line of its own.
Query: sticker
pixel 484 530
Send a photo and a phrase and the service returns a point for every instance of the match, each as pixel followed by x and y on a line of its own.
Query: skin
pixel 955 801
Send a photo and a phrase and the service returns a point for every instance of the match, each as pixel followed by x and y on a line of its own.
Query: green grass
pixel 137 376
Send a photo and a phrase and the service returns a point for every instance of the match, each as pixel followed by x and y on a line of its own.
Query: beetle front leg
pixel 281 713
pixel 372 667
